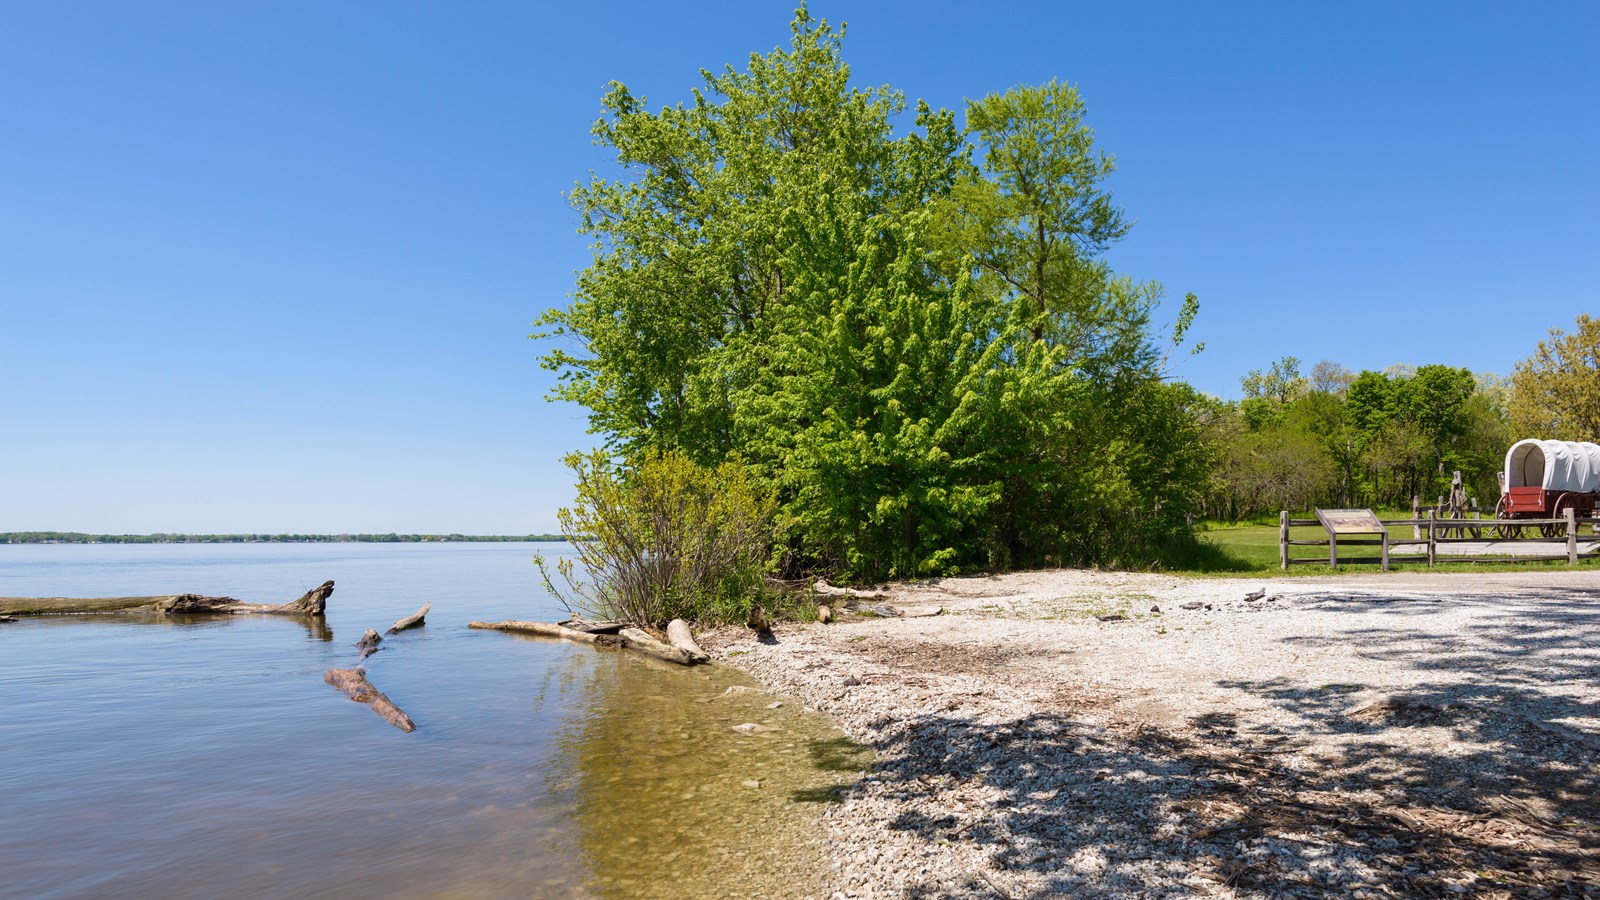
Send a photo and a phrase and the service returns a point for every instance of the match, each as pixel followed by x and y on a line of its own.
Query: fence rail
pixel 1430 531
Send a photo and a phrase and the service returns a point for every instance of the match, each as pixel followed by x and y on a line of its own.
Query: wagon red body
pixel 1544 479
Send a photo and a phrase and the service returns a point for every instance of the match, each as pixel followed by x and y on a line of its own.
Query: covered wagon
pixel 1544 479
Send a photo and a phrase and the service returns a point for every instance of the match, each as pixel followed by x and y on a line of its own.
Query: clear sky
pixel 272 266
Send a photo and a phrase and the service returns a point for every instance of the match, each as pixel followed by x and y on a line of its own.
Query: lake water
pixel 205 757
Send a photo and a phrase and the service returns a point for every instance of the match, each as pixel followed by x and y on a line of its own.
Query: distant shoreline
pixel 73 537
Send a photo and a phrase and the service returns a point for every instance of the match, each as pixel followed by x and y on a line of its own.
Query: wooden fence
pixel 1431 530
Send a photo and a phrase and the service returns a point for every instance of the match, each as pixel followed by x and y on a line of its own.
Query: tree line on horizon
pixel 1333 437
pixel 913 345
pixel 76 537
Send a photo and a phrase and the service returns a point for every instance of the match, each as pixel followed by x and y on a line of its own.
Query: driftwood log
pixel 823 589
pixel 646 643
pixel 5 619
pixel 312 603
pixel 630 638
pixel 897 610
pixel 547 629
pixel 415 620
pixel 369 642
pixel 356 686
pixel 679 635
pixel 594 627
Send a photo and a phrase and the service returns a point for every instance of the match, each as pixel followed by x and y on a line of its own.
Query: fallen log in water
pixel 547 629
pixel 679 635
pixel 644 642
pixel 630 638
pixel 594 627
pixel 369 642
pixel 415 620
pixel 356 686
pixel 5 619
pixel 312 603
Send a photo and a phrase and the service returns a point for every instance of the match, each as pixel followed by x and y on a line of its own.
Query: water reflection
pixel 669 800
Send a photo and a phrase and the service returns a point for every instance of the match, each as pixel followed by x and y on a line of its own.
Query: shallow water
pixel 206 757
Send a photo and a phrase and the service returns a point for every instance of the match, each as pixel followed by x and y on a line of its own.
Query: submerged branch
pixel 355 685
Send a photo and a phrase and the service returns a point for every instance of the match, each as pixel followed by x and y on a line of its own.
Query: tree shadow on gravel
pixel 1447 788
pixel 834 755
pixel 1081 811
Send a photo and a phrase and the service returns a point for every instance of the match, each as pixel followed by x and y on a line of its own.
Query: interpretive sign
pixel 1350 521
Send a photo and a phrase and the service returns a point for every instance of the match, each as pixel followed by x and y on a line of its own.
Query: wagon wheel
pixel 1558 510
pixel 1504 532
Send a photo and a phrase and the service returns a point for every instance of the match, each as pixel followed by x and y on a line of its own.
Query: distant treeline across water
pixel 74 537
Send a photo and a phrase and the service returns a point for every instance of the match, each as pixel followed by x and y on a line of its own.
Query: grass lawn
pixel 1253 550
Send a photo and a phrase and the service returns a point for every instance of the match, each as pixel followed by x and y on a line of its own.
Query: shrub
pixel 664 538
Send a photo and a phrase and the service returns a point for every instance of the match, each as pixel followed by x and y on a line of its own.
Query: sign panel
pixel 1350 521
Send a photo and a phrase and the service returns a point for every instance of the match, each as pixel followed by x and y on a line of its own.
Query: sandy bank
pixel 1124 735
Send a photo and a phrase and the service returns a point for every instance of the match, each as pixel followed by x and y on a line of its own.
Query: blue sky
pixel 271 266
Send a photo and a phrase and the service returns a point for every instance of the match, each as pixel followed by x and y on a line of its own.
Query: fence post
pixel 1416 513
pixel 1432 546
pixel 1333 551
pixel 1283 539
pixel 1572 536
pixel 1386 548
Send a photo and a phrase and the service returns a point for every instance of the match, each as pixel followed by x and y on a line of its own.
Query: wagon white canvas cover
pixel 1554 465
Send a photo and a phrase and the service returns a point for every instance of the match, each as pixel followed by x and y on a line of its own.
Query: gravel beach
pixel 1094 734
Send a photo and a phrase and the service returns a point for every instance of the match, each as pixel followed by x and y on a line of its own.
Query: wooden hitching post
pixel 1283 539
pixel 1572 535
pixel 1432 551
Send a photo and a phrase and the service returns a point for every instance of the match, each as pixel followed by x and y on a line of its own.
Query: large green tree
pixel 926 357
pixel 726 206
pixel 1556 391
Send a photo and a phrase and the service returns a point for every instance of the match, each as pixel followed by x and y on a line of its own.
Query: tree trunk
pixel 312 603
pixel 355 685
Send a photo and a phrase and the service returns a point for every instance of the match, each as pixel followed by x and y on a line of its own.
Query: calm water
pixel 206 757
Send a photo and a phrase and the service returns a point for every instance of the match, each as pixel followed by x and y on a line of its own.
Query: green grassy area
pixel 1252 549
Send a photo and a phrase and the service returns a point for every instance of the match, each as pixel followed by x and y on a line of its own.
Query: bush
pixel 664 538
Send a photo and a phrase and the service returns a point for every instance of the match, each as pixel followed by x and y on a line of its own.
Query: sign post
pixel 1339 522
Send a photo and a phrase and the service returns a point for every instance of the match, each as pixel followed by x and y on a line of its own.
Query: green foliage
pixel 1556 391
pixel 925 359
pixel 740 209
pixel 664 539
pixel 1337 439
